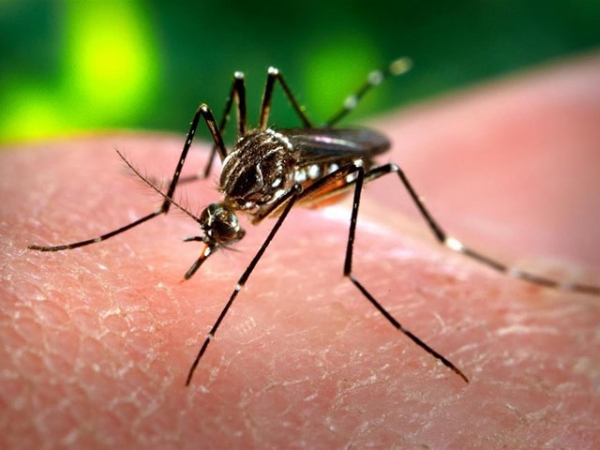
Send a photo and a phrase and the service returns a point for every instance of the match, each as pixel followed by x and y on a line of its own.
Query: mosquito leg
pixel 237 93
pixel 375 78
pixel 456 245
pixel 56 248
pixel 354 174
pixel 358 182
pixel 202 112
pixel 272 76
pixel 290 198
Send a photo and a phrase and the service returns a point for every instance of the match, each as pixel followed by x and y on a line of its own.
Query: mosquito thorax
pixel 258 169
pixel 220 224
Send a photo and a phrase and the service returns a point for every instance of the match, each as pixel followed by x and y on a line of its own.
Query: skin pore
pixel 97 341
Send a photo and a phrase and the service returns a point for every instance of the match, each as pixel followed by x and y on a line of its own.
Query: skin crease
pixel 96 342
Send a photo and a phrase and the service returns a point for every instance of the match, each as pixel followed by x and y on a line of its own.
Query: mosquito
pixel 267 172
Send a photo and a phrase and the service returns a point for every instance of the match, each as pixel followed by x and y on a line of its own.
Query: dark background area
pixel 75 66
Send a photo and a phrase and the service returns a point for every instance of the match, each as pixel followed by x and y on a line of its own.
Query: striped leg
pixel 203 112
pixel 454 244
pixel 375 78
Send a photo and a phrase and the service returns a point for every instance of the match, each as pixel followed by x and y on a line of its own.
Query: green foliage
pixel 73 66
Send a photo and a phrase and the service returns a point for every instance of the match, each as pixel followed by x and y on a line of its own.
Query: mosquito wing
pixel 319 145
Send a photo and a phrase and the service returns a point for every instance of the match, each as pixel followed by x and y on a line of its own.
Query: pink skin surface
pixel 96 342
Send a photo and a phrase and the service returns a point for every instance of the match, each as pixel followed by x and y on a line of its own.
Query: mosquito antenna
pixel 154 188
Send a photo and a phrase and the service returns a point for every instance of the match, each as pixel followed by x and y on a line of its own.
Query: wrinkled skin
pixel 96 342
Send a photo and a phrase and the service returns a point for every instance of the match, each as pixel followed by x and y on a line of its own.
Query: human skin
pixel 97 342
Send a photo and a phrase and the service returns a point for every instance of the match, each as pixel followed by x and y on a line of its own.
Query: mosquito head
pixel 220 225
pixel 221 228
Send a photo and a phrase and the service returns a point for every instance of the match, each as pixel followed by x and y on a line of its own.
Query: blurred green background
pixel 73 66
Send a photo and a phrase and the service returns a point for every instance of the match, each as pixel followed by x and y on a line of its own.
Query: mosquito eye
pixel 224 232
pixel 208 215
pixel 226 229
pixel 204 218
pixel 220 224
pixel 227 217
